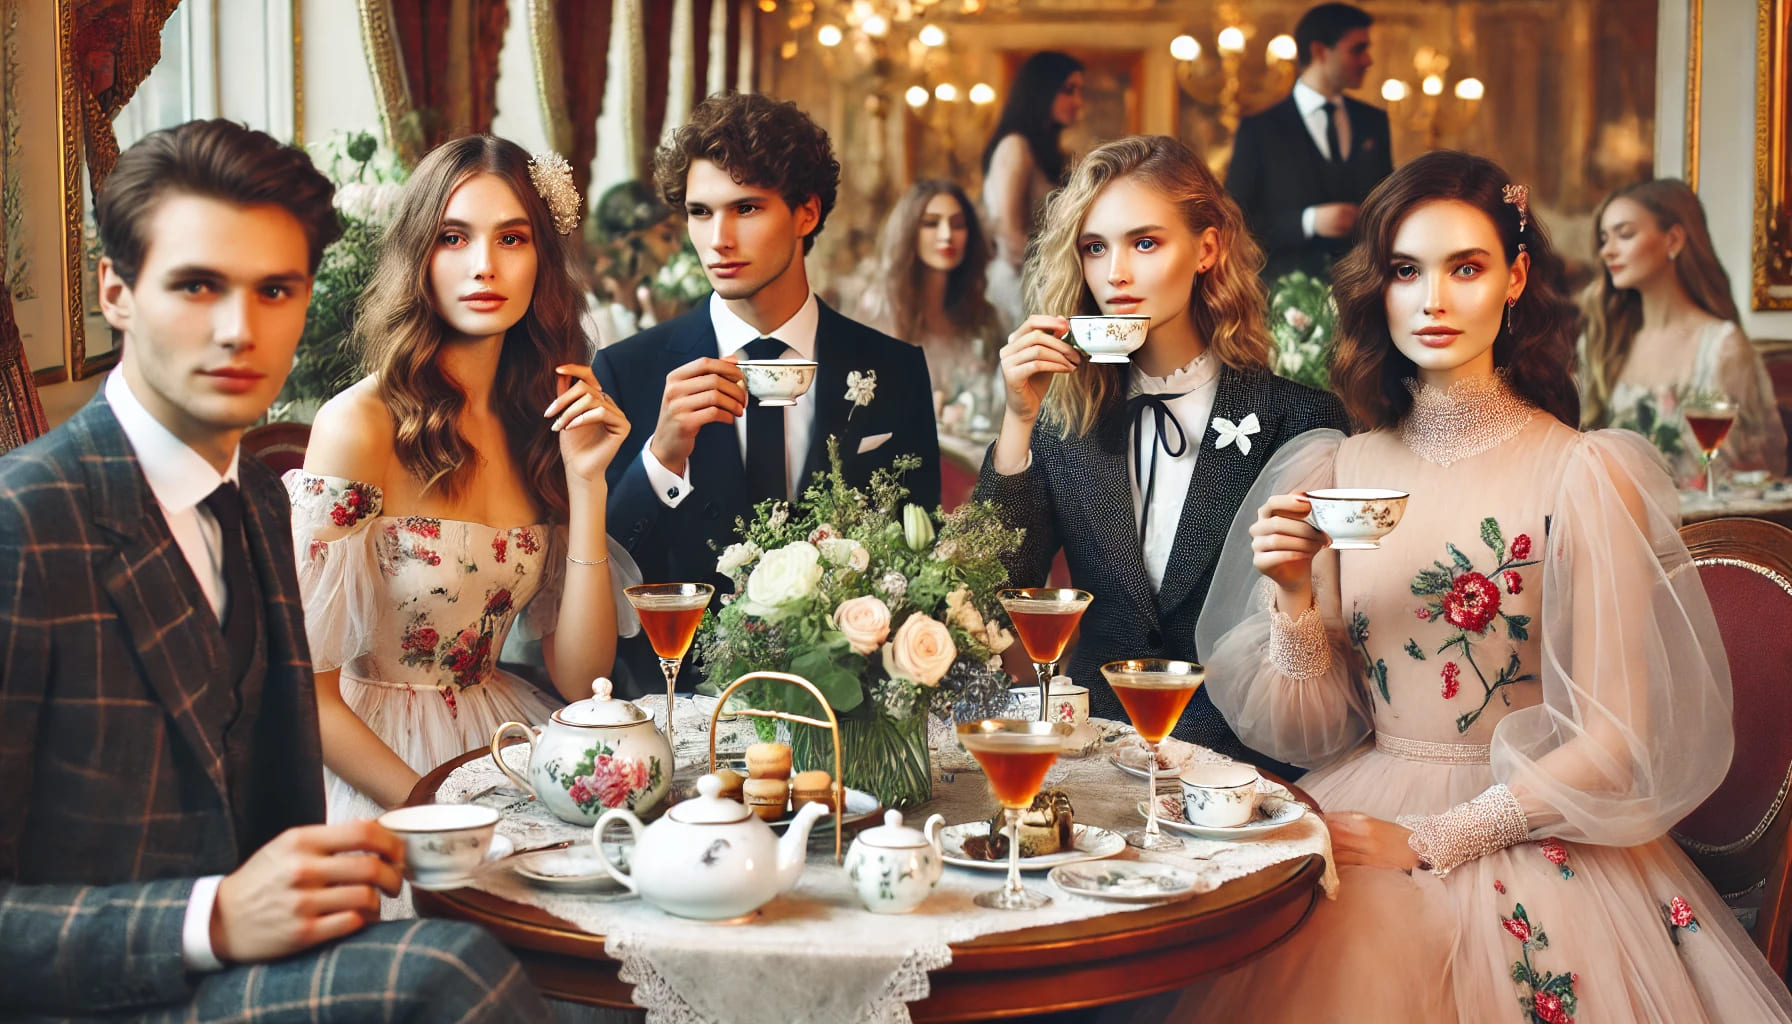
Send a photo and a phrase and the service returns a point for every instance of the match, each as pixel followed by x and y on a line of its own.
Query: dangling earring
pixel 1509 304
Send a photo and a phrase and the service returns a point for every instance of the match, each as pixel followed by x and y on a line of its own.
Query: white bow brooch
pixel 1235 433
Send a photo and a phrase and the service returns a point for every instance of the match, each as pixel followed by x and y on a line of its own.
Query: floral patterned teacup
pixel 1356 518
pixel 1109 339
pixel 778 381
pixel 443 843
pixel 1219 795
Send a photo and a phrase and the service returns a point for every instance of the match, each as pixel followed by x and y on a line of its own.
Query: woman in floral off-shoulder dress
pixel 1510 702
pixel 458 485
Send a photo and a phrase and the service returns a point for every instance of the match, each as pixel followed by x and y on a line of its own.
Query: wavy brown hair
pixel 401 331
pixel 1535 345
pixel 1614 315
pixel 1226 305
pixel 894 298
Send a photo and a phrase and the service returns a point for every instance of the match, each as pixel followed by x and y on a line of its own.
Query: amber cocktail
pixel 1153 691
pixel 1710 422
pixel 1015 754
pixel 670 613
pixel 1044 618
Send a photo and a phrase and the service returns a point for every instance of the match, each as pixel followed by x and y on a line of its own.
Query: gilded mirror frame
pixel 1772 248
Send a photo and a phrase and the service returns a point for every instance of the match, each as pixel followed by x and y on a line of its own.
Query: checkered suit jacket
pixel 112 794
pixel 1077 496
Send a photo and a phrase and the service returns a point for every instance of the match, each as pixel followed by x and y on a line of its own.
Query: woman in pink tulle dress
pixel 1511 701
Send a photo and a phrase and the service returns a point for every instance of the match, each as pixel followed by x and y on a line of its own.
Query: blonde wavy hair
pixel 1226 304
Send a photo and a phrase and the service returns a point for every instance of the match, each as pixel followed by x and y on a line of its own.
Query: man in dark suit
pixel 1300 169
pixel 757 179
pixel 161 780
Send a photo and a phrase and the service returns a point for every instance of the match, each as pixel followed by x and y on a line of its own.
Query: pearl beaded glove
pixel 1489 822
pixel 1297 646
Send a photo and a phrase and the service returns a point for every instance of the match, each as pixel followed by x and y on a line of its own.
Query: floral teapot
pixel 595 755
pixel 894 866
pixel 709 857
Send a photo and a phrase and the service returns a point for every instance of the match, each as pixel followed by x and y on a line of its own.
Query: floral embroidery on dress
pixel 1499 887
pixel 1452 679
pixel 525 540
pixel 1677 914
pixel 355 504
pixel 1470 601
pixel 1557 854
pixel 418 647
pixel 1375 670
pixel 1548 997
pixel 500 548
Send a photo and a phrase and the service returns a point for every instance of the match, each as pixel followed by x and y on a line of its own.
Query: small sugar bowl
pixel 894 866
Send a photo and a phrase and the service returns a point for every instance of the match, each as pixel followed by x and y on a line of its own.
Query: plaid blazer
pixel 1077 496
pixel 112 793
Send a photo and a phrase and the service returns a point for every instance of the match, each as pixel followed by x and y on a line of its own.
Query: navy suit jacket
pixel 680 545
pixel 1277 172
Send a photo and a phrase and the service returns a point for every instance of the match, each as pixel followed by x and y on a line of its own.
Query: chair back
pixel 1738 836
pixel 280 445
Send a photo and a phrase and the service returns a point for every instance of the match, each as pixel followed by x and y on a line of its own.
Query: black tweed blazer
pixel 1077 496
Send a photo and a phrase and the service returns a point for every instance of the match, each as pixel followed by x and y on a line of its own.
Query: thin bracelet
pixel 581 561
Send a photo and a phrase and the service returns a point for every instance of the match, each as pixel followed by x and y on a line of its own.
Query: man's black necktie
pixel 765 435
pixel 1331 132
pixel 226 505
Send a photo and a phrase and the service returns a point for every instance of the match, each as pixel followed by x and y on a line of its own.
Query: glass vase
pixel 886 757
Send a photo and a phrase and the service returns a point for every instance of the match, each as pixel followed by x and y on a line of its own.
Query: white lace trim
pixel 1470 417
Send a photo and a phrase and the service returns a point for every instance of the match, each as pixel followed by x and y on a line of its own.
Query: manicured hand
pixel 590 423
pixel 1035 351
pixel 699 392
pixel 1358 839
pixel 309 885
pixel 1282 547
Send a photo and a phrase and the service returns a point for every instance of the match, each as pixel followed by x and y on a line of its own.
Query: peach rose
pixel 864 621
pixel 921 650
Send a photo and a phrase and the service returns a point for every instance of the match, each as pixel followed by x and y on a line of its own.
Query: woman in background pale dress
pixel 1023 162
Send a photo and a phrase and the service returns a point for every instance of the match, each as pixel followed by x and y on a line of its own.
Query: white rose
pixel 846 552
pixel 864 621
pixel 823 532
pixel 737 556
pixel 922 651
pixel 998 639
pixel 787 574
pixel 962 613
pixel 1297 319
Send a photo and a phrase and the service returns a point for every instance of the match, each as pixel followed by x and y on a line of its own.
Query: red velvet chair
pixel 280 445
pixel 1739 836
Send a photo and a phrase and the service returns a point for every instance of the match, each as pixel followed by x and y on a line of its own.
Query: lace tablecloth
pixel 814 953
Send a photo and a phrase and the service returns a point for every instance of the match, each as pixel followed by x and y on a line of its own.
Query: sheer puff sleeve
pixel 1634 728
pixel 1284 685
pixel 339 573
pixel 542 616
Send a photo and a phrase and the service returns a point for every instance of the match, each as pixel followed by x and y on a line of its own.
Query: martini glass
pixel 1710 422
pixel 1153 691
pixel 1015 754
pixel 1044 618
pixel 670 613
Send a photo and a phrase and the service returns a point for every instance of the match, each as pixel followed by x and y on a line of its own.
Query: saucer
pixel 1090 843
pixel 574 869
pixel 1272 813
pixel 1129 881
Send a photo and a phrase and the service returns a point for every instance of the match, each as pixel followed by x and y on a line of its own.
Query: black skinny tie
pixel 1138 407
pixel 1331 132
pixel 226 504
pixel 765 435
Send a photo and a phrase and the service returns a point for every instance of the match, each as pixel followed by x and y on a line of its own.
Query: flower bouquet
pixel 1303 321
pixel 888 615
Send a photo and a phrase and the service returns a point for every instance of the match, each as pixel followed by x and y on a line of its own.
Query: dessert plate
pixel 1088 843
pixel 1129 881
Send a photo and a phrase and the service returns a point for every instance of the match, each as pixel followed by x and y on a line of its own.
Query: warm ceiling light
pixel 1185 48
pixel 932 35
pixel 768 6
pixel 876 26
pixel 1470 89
pixel 1393 90
pixel 829 35
pixel 916 96
pixel 982 94
pixel 1231 39
pixel 1282 48
pixel 788 50
pixel 946 92
pixel 1433 85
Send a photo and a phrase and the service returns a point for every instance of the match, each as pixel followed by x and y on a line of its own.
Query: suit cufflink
pixel 671 492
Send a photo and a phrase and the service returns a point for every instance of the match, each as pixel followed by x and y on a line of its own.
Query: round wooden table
pixel 1008 974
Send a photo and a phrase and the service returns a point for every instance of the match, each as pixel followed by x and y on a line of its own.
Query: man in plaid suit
pixel 161 780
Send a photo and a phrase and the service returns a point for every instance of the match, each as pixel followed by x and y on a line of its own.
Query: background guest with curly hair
pixel 756 180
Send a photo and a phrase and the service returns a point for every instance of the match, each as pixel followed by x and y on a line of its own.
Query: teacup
pixel 1109 339
pixel 443 843
pixel 1219 795
pixel 778 381
pixel 1356 518
pixel 1070 702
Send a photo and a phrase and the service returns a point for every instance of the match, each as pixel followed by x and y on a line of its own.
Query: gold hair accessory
pixel 552 177
pixel 1519 196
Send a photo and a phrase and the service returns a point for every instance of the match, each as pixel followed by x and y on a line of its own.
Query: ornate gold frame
pixel 1695 46
pixel 1772 248
pixel 391 90
pixel 69 114
pixel 550 79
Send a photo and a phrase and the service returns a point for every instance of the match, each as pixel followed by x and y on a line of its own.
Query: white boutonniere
pixel 1235 433
pixel 860 389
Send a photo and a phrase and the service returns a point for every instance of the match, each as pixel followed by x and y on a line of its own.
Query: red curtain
pixel 116 44
pixel 449 108
pixel 21 414
pixel 584 65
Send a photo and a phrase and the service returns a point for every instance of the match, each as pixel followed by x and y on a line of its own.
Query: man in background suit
pixel 161 781
pixel 756 179
pixel 1300 169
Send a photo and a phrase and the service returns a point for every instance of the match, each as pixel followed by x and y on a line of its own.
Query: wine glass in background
pixel 1153 691
pixel 1710 417
pixel 670 614
pixel 1015 754
pixel 1044 618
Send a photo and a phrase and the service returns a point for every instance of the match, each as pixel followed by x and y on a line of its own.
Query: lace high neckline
pixel 1466 419
pixel 1196 372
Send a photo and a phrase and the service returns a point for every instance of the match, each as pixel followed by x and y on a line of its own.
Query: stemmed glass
pixel 1044 618
pixel 1710 419
pixel 1153 691
pixel 1015 754
pixel 670 613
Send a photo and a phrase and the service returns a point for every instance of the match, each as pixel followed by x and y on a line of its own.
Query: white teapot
pixel 893 866
pixel 709 857
pixel 595 754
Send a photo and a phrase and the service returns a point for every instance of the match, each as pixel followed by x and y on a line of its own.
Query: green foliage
pixel 1303 320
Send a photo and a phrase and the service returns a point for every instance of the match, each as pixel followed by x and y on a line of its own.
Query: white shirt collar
pixel 733 333
pixel 179 477
pixel 1308 99
pixel 1199 372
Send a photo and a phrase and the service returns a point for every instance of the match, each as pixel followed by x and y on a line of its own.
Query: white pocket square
pixel 874 442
